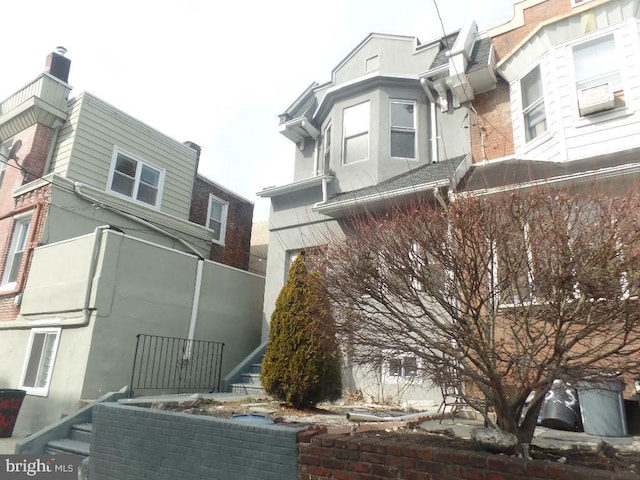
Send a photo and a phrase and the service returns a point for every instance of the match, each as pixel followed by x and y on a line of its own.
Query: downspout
pixel 196 294
pixel 93 266
pixel 52 146
pixel 194 309
pixel 433 125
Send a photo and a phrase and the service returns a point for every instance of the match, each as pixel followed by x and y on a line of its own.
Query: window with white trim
pixel 136 179
pixel 402 366
pixel 217 217
pixel 16 252
pixel 597 75
pixel 402 120
pixel 41 355
pixel 355 129
pixel 533 111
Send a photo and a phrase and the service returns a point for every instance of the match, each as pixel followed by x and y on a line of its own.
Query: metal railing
pixel 175 365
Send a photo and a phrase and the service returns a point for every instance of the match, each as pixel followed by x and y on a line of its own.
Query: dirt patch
pixel 333 418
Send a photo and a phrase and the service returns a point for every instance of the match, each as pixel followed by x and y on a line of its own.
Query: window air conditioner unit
pixel 595 99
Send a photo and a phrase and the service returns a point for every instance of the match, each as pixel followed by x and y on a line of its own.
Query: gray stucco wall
pixel 136 443
pixel 137 287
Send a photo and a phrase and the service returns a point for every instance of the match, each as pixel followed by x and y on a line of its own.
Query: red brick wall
pixel 355 458
pixel 237 242
pixel 492 118
pixel 35 203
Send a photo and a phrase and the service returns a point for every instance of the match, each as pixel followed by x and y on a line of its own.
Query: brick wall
pixel 236 248
pixel 492 119
pixel 533 16
pixel 36 204
pixel 133 442
pixel 354 458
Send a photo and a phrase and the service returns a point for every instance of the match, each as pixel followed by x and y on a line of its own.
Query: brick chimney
pixel 58 65
pixel 197 149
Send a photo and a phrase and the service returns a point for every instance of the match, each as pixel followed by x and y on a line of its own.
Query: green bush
pixel 301 366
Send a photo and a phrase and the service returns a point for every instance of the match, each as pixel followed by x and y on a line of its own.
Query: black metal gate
pixel 175 365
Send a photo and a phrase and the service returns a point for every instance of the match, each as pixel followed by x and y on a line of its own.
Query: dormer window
pixel 597 76
pixel 533 111
pixel 403 128
pixel 355 127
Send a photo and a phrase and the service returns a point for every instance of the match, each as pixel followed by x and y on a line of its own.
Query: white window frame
pixel 612 59
pixel 401 129
pixel 3 169
pixel 533 105
pixel 20 235
pixel 391 356
pixel 578 3
pixel 347 135
pixel 137 179
pixel 223 220
pixel 43 390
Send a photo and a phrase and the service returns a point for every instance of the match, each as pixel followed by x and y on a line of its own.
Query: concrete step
pixel 251 378
pixel 247 389
pixel 256 368
pixel 66 445
pixel 81 432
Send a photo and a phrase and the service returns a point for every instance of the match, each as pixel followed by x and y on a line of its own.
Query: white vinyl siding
pixel 15 253
pixel 41 355
pixel 355 131
pixel 217 218
pixel 402 118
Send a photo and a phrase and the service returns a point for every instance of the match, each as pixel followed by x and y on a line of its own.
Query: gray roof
pixel 442 57
pixel 440 172
pixel 479 54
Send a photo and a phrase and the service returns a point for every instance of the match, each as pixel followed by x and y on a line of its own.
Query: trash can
pixel 602 407
pixel 560 409
pixel 10 403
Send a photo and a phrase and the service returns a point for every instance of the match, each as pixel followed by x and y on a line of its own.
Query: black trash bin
pixel 560 409
pixel 10 403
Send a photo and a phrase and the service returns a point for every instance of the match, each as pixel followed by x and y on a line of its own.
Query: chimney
pixel 197 149
pixel 58 65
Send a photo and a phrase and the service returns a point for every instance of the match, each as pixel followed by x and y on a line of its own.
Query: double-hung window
pixel 597 75
pixel 402 366
pixel 217 218
pixel 533 111
pixel 402 119
pixel 136 179
pixel 41 355
pixel 355 126
pixel 16 252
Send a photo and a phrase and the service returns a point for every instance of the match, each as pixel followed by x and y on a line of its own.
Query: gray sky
pixel 213 72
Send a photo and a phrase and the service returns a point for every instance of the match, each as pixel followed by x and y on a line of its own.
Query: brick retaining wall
pixel 135 443
pixel 355 458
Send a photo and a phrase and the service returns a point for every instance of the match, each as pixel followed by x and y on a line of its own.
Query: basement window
pixel 41 355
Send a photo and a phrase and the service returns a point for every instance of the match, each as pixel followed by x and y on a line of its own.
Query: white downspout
pixel 434 134
pixel 95 255
pixel 194 309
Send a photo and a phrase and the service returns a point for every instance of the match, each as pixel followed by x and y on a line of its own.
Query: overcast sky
pixel 215 72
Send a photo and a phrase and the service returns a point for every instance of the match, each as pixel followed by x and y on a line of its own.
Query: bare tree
pixel 504 293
